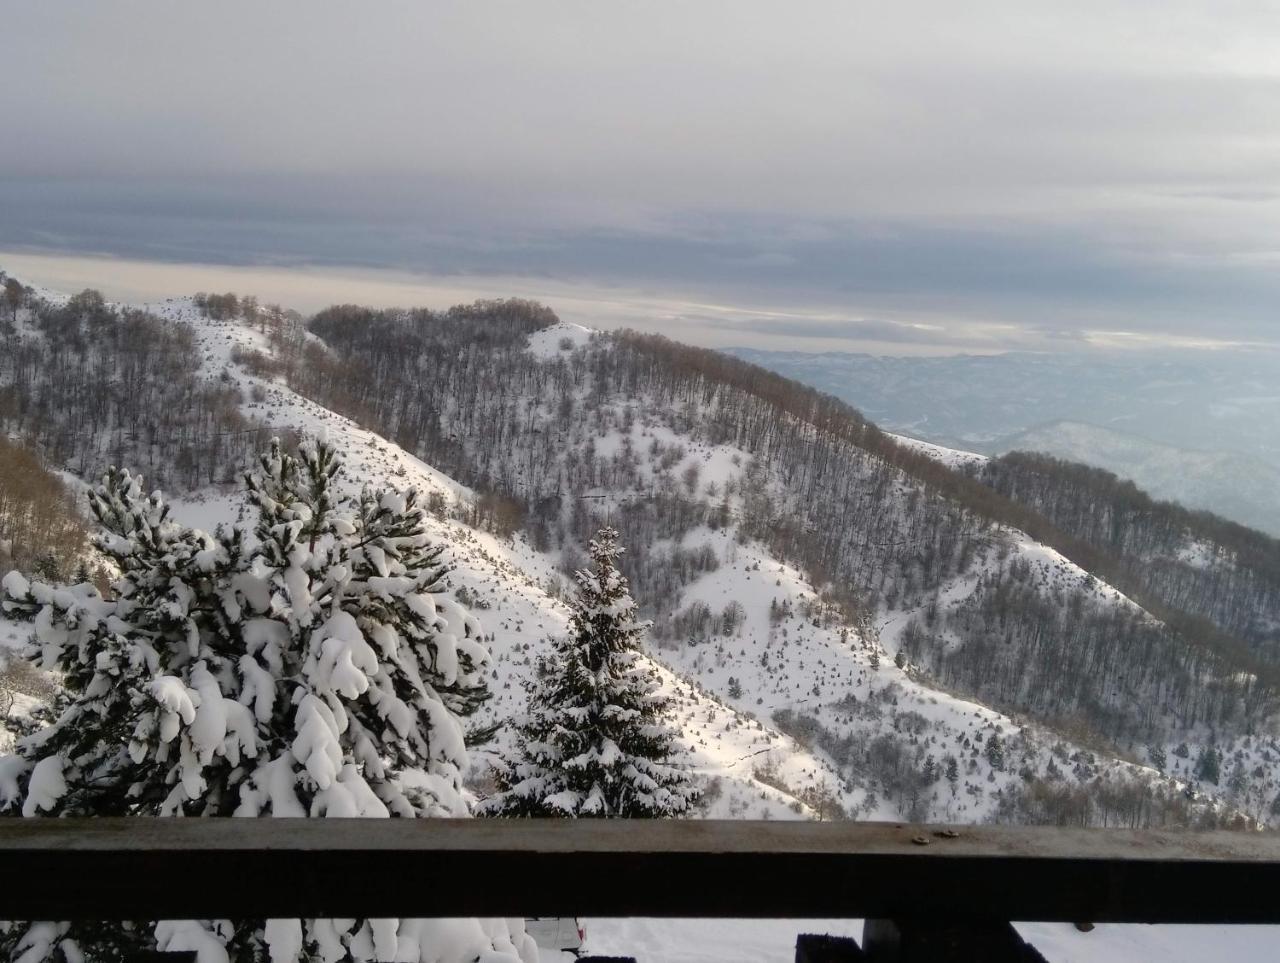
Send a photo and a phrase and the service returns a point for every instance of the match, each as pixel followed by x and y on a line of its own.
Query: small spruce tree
pixel 995 751
pixel 593 742
pixel 930 770
pixel 1209 765
pixel 47 568
pixel 1158 758
pixel 83 573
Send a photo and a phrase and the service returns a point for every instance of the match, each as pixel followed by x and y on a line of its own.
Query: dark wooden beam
pixel 255 868
pixel 921 940
pixel 820 948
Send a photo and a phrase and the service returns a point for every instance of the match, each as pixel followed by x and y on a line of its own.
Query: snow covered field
pixel 558 339
pixel 773 941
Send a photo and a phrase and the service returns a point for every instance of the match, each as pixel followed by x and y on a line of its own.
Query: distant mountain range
pixel 1238 487
pixel 1200 428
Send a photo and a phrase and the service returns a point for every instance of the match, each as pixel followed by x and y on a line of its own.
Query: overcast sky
pixel 964 175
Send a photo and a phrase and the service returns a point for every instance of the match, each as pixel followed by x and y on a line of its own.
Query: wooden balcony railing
pixel 150 869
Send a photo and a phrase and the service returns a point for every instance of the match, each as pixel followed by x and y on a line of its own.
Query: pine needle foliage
pixel 594 743
pixel 314 666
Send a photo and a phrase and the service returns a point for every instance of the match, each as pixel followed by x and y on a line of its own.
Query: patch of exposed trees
pixel 41 527
pixel 1066 656
pixel 284 327
pixel 91 385
pixel 1190 561
pixel 459 389
pixel 910 766
pixel 1125 802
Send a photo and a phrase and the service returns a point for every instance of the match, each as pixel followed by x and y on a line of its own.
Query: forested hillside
pixel 816 576
pixel 40 524
pixel 563 436
pixel 89 384
pixel 1195 562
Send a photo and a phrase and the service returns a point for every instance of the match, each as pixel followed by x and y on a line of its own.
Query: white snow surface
pixel 549 343
pixel 769 941
pixel 951 457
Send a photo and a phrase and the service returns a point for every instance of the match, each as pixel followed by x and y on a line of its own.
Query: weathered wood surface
pixel 254 868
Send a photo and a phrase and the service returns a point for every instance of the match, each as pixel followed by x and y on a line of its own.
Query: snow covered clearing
pixel 558 340
pixel 951 457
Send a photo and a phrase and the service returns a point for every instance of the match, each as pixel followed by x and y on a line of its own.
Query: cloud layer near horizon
pixel 951 171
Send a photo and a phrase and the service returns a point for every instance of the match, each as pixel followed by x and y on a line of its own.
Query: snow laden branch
pixel 312 666
pixel 593 742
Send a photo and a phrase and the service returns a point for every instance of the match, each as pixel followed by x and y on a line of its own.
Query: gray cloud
pixel 1055 169
pixel 846 329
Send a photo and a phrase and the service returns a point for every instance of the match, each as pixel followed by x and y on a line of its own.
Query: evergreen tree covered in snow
pixel 312 668
pixel 995 752
pixel 593 742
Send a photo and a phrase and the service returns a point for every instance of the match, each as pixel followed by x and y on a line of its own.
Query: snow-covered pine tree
pixel 593 742
pixel 315 668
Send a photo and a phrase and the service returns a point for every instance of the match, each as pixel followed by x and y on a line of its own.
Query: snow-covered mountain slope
pixel 789 659
pixel 505 582
pixel 1055 571
pixel 788 706
pixel 951 457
